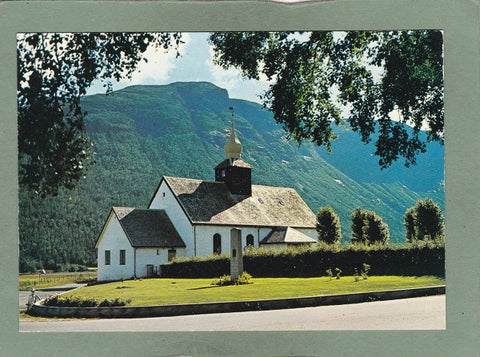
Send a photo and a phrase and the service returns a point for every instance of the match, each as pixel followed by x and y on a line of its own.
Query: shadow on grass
pixel 205 287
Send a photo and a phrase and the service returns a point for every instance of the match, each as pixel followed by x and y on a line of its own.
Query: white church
pixel 189 217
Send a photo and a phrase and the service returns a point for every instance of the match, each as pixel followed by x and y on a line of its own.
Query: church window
pixel 172 253
pixel 249 240
pixel 217 244
pixel 163 194
pixel 107 257
pixel 122 256
pixel 223 173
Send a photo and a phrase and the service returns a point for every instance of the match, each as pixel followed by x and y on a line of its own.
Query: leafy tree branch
pixel 314 76
pixel 54 72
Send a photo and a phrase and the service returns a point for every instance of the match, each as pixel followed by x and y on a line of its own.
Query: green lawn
pixel 181 291
pixel 39 281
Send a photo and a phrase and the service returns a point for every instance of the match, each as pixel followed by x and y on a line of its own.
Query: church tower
pixel 233 171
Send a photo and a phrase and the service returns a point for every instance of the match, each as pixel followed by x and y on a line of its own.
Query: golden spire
pixel 233 147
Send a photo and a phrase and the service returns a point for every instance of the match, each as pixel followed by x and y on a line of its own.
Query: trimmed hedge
pixel 390 260
pixel 63 301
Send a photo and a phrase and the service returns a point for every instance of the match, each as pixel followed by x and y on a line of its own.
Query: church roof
pixel 148 228
pixel 286 235
pixel 207 202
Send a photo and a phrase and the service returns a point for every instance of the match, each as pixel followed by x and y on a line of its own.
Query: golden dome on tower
pixel 233 147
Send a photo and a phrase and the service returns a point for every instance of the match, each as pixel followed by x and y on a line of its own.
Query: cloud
pixel 229 79
pixel 160 65
pixel 157 70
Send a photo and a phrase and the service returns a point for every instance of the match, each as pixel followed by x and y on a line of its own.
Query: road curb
pixel 230 306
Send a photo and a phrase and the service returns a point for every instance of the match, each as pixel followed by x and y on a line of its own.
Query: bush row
pixel 82 302
pixel 415 260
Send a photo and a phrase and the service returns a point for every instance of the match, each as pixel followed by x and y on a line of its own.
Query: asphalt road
pixel 423 313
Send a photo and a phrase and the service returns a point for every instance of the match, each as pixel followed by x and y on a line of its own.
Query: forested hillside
pixel 144 132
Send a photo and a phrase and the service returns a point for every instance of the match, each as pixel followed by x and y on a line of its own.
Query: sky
pixel 195 64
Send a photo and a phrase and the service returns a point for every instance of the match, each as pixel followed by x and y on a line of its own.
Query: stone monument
pixel 236 253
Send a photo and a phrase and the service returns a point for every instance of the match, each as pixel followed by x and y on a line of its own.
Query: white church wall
pixel 155 257
pixel 204 238
pixel 114 240
pixel 165 199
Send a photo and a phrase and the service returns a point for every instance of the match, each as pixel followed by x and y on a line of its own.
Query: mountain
pixel 144 132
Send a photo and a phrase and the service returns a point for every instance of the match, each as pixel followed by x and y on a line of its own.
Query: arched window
pixel 249 240
pixel 217 244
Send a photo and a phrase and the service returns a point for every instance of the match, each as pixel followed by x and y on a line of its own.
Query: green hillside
pixel 144 132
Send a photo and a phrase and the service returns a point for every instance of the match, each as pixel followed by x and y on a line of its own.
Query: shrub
pixel 62 301
pixel 223 280
pixel 365 270
pixel 329 273
pixel 355 275
pixel 116 302
pixel 243 279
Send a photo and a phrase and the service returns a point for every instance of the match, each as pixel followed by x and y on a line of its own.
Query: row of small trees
pixel 422 221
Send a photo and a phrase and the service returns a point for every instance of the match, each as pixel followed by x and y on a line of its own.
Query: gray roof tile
pixel 208 202
pixel 148 228
pixel 287 235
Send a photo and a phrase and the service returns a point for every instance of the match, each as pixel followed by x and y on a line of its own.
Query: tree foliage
pixel 374 73
pixel 424 221
pixel 54 72
pixel 328 226
pixel 409 223
pixel 368 227
pixel 357 225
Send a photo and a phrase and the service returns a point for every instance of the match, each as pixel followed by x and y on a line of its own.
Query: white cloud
pixel 156 71
pixel 160 65
pixel 229 79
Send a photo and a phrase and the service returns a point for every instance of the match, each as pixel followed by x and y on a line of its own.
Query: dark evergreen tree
pixel 426 218
pixel 368 228
pixel 358 221
pixel 409 224
pixel 328 226
pixel 374 229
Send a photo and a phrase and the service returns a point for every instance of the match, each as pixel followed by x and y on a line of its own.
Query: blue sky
pixel 194 65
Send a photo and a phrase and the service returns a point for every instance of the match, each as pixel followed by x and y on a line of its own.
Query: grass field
pixel 38 281
pixel 182 291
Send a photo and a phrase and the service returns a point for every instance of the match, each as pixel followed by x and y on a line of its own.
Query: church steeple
pixel 233 146
pixel 234 171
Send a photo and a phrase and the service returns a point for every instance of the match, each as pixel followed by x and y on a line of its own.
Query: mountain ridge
pixel 144 132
